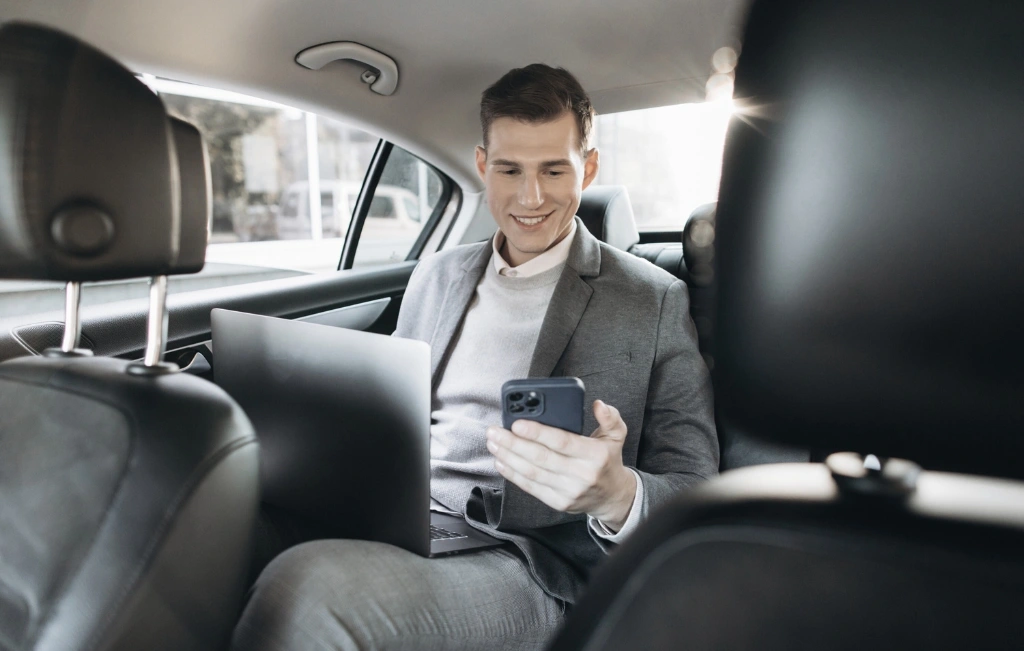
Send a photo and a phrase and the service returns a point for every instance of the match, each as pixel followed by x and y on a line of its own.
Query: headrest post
pixel 72 317
pixel 156 333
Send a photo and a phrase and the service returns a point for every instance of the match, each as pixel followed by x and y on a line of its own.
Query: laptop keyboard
pixel 437 533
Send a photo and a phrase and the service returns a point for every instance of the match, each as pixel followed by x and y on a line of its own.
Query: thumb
pixel 609 421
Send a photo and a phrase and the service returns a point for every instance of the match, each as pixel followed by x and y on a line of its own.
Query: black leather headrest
pixel 88 175
pixel 608 215
pixel 870 232
pixel 699 244
pixel 196 197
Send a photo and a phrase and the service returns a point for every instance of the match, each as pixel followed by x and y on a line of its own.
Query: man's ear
pixel 481 162
pixel 590 167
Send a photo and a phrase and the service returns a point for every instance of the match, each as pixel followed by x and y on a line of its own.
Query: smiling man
pixel 542 298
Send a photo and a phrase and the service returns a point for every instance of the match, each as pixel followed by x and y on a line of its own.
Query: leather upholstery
pixel 138 539
pixel 775 557
pixel 867 248
pixel 196 197
pixel 699 244
pixel 607 213
pixel 88 164
pixel 667 255
pixel 699 257
pixel 127 501
pixel 739 447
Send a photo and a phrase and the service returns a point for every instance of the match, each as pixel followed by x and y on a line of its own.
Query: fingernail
pixel 492 447
pixel 490 432
pixel 499 466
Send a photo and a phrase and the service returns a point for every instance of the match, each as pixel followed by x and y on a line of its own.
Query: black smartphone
pixel 556 401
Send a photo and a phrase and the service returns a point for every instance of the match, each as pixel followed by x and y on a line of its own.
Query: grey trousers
pixel 351 594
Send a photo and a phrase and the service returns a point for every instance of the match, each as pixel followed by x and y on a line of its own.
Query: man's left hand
pixel 566 471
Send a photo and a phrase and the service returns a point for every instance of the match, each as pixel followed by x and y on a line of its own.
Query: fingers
pixel 547 494
pixel 558 440
pixel 560 481
pixel 609 421
pixel 500 440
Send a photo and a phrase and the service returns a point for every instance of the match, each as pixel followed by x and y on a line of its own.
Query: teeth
pixel 531 221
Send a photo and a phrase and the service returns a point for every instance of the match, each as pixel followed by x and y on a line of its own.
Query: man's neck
pixel 515 257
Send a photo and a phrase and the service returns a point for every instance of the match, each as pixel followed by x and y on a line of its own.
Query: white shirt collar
pixel 550 259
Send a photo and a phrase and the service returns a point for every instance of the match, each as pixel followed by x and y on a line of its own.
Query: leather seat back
pixel 127 493
pixel 857 310
pixel 739 447
pixel 608 214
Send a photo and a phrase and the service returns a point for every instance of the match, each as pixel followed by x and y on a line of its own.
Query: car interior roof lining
pixel 659 54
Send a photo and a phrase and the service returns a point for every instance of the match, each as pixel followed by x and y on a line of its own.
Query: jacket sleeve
pixel 678 445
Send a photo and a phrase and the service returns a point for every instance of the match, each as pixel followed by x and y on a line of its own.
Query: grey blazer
pixel 621 325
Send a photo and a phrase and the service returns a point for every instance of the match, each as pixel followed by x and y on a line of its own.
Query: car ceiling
pixel 628 56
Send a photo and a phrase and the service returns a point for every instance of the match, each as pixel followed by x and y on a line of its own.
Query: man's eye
pixel 555 173
pixel 509 172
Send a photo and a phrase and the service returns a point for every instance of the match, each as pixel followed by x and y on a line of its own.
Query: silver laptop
pixel 343 420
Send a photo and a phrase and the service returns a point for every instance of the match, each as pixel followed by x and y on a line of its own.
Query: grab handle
pixel 384 83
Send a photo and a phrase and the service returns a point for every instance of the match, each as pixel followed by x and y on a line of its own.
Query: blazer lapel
pixel 454 306
pixel 568 302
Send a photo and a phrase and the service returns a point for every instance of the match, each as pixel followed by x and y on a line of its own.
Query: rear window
pixel 669 158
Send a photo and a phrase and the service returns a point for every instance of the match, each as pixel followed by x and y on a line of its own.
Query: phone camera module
pixel 515 397
pixel 533 401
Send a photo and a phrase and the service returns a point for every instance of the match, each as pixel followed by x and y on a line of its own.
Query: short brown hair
pixel 537 93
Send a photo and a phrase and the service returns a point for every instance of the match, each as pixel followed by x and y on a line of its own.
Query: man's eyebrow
pixel 546 164
pixel 556 163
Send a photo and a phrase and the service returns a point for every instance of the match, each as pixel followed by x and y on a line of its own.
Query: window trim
pixel 362 207
pixel 366 196
pixel 431 223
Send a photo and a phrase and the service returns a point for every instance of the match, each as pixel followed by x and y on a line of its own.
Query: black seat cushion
pixel 127 499
pixel 774 558
pixel 667 255
pixel 128 507
pixel 869 239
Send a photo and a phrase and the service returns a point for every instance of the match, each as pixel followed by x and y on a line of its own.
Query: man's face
pixel 534 174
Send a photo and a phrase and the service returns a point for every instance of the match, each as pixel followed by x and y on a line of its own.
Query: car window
pixel 412 209
pixel 327 205
pixel 381 208
pixel 275 173
pixel 408 190
pixel 269 221
pixel 669 158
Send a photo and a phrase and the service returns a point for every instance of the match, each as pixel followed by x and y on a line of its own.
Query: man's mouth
pixel 530 221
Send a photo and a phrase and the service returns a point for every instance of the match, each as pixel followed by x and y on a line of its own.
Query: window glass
pixel 269 220
pixel 669 158
pixel 408 193
pixel 412 208
pixel 267 213
pixel 327 205
pixel 382 207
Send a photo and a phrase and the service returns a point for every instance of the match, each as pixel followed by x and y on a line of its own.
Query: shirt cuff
pixel 632 521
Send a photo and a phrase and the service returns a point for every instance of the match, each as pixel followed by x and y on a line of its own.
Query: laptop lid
pixel 343 420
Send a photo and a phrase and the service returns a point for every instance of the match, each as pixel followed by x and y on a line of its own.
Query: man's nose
pixel 531 196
